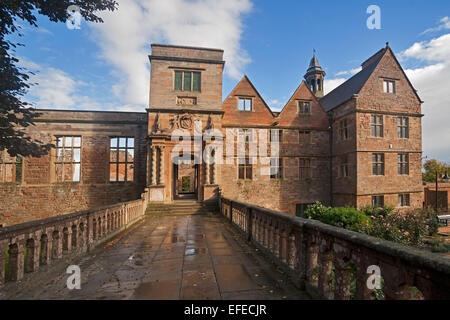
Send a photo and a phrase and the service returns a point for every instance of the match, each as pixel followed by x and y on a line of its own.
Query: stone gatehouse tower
pixel 361 144
pixel 185 90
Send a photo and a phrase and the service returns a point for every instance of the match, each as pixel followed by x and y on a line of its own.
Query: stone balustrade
pixel 332 263
pixel 25 247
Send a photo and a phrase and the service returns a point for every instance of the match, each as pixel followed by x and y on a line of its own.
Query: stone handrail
pixel 332 263
pixel 25 247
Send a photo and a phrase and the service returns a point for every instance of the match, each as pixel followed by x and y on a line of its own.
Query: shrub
pixel 409 228
pixel 433 223
pixel 348 218
pixel 375 211
pixel 386 227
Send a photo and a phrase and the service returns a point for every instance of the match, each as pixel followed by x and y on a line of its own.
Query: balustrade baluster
pixel 312 264
pixel 3 248
pixel 276 244
pixel 291 251
pixel 283 245
pixel 56 245
pixel 45 249
pixel 32 258
pixel 342 275
pixel 325 266
pixel 16 260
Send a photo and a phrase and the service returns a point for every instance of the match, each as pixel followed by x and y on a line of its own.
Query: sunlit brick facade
pixel 359 145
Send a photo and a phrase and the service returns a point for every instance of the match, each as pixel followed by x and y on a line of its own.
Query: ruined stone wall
pixel 39 195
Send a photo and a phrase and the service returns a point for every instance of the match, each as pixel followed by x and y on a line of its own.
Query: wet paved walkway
pixel 171 257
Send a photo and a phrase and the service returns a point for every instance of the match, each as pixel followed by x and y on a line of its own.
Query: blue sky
pixel 105 67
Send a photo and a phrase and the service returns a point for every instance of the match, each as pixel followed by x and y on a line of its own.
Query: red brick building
pixel 358 145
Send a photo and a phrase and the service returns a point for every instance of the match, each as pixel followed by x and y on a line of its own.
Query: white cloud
pixel 126 34
pixel 432 82
pixel 275 104
pixel 444 24
pixel 55 89
pixel 349 72
pixel 331 84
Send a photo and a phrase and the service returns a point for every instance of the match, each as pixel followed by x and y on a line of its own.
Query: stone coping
pixel 17 229
pixel 412 255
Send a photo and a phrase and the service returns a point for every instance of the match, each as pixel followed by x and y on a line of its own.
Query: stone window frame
pixel 183 72
pixel 17 167
pixel 272 136
pixel 57 162
pixel 378 201
pixel 344 171
pixel 377 126
pixel 389 86
pixel 404 200
pixel 301 107
pixel 246 165
pixel 403 164
pixel 378 164
pixel 248 133
pixel 403 127
pixel 118 163
pixel 276 163
pixel 302 133
pixel 343 130
pixel 244 99
pixel 304 168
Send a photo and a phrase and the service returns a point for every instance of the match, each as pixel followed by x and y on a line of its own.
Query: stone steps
pixel 181 208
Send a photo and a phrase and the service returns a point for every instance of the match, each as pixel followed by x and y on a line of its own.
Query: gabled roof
pixel 303 83
pixel 352 86
pixel 245 78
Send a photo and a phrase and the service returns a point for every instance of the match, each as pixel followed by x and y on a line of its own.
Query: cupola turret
pixel 314 77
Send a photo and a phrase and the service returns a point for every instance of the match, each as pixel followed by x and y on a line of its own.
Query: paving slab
pixel 196 257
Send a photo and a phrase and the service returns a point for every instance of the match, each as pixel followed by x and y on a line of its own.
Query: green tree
pixel 431 166
pixel 15 112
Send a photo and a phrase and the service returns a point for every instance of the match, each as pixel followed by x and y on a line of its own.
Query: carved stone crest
pixel 186 121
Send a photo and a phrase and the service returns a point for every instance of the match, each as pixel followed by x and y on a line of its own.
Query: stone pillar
pixel 213 176
pixel 153 180
pixel 149 167
pixel 56 244
pixel 207 166
pixel 16 261
pixel 325 266
pixel 45 248
pixel 32 259
pixel 3 248
pixel 162 179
